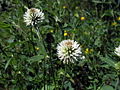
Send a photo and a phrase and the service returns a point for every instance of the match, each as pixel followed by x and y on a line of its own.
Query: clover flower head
pixel 69 51
pixel 33 16
pixel 117 50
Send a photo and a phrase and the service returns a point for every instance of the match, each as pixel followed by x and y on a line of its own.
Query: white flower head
pixel 117 50
pixel 33 16
pixel 68 51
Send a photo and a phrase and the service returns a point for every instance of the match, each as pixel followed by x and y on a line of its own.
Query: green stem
pixel 44 74
pixel 64 78
pixel 53 74
pixel 44 50
pixel 32 41
pixel 42 42
pixel 117 83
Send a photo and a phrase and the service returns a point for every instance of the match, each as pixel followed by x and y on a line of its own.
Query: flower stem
pixel 65 73
pixel 42 42
pixel 32 41
pixel 117 83
pixel 44 51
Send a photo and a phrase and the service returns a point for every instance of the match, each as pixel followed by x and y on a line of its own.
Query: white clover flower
pixel 69 51
pixel 33 16
pixel 117 50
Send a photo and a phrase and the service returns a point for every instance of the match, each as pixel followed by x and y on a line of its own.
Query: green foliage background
pixel 24 64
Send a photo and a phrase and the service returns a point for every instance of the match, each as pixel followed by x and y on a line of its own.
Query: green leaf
pixel 98 42
pixel 108 13
pixel 61 72
pixel 98 2
pixel 95 1
pixel 4 25
pixel 108 61
pixel 7 64
pixel 37 58
pixel 68 85
pixel 107 87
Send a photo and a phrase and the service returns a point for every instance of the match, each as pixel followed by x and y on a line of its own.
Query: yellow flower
pixel 65 34
pixel 64 7
pixel 37 48
pixel 91 50
pixel 114 23
pixel 51 31
pixel 82 18
pixel 86 50
pixel 118 18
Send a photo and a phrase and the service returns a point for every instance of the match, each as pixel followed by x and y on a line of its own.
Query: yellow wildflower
pixel 87 50
pixel 51 31
pixel 37 48
pixel 64 7
pixel 65 34
pixel 91 50
pixel 118 18
pixel 82 18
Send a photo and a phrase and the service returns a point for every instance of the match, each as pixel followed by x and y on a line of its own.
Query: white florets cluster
pixel 117 50
pixel 33 16
pixel 69 51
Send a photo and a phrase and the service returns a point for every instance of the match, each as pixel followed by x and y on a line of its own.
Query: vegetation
pixel 28 54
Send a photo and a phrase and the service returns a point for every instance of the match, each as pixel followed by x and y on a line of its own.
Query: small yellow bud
pixel 82 18
pixel 51 31
pixel 91 50
pixel 118 18
pixel 86 50
pixel 37 48
pixel 65 34
pixel 64 7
